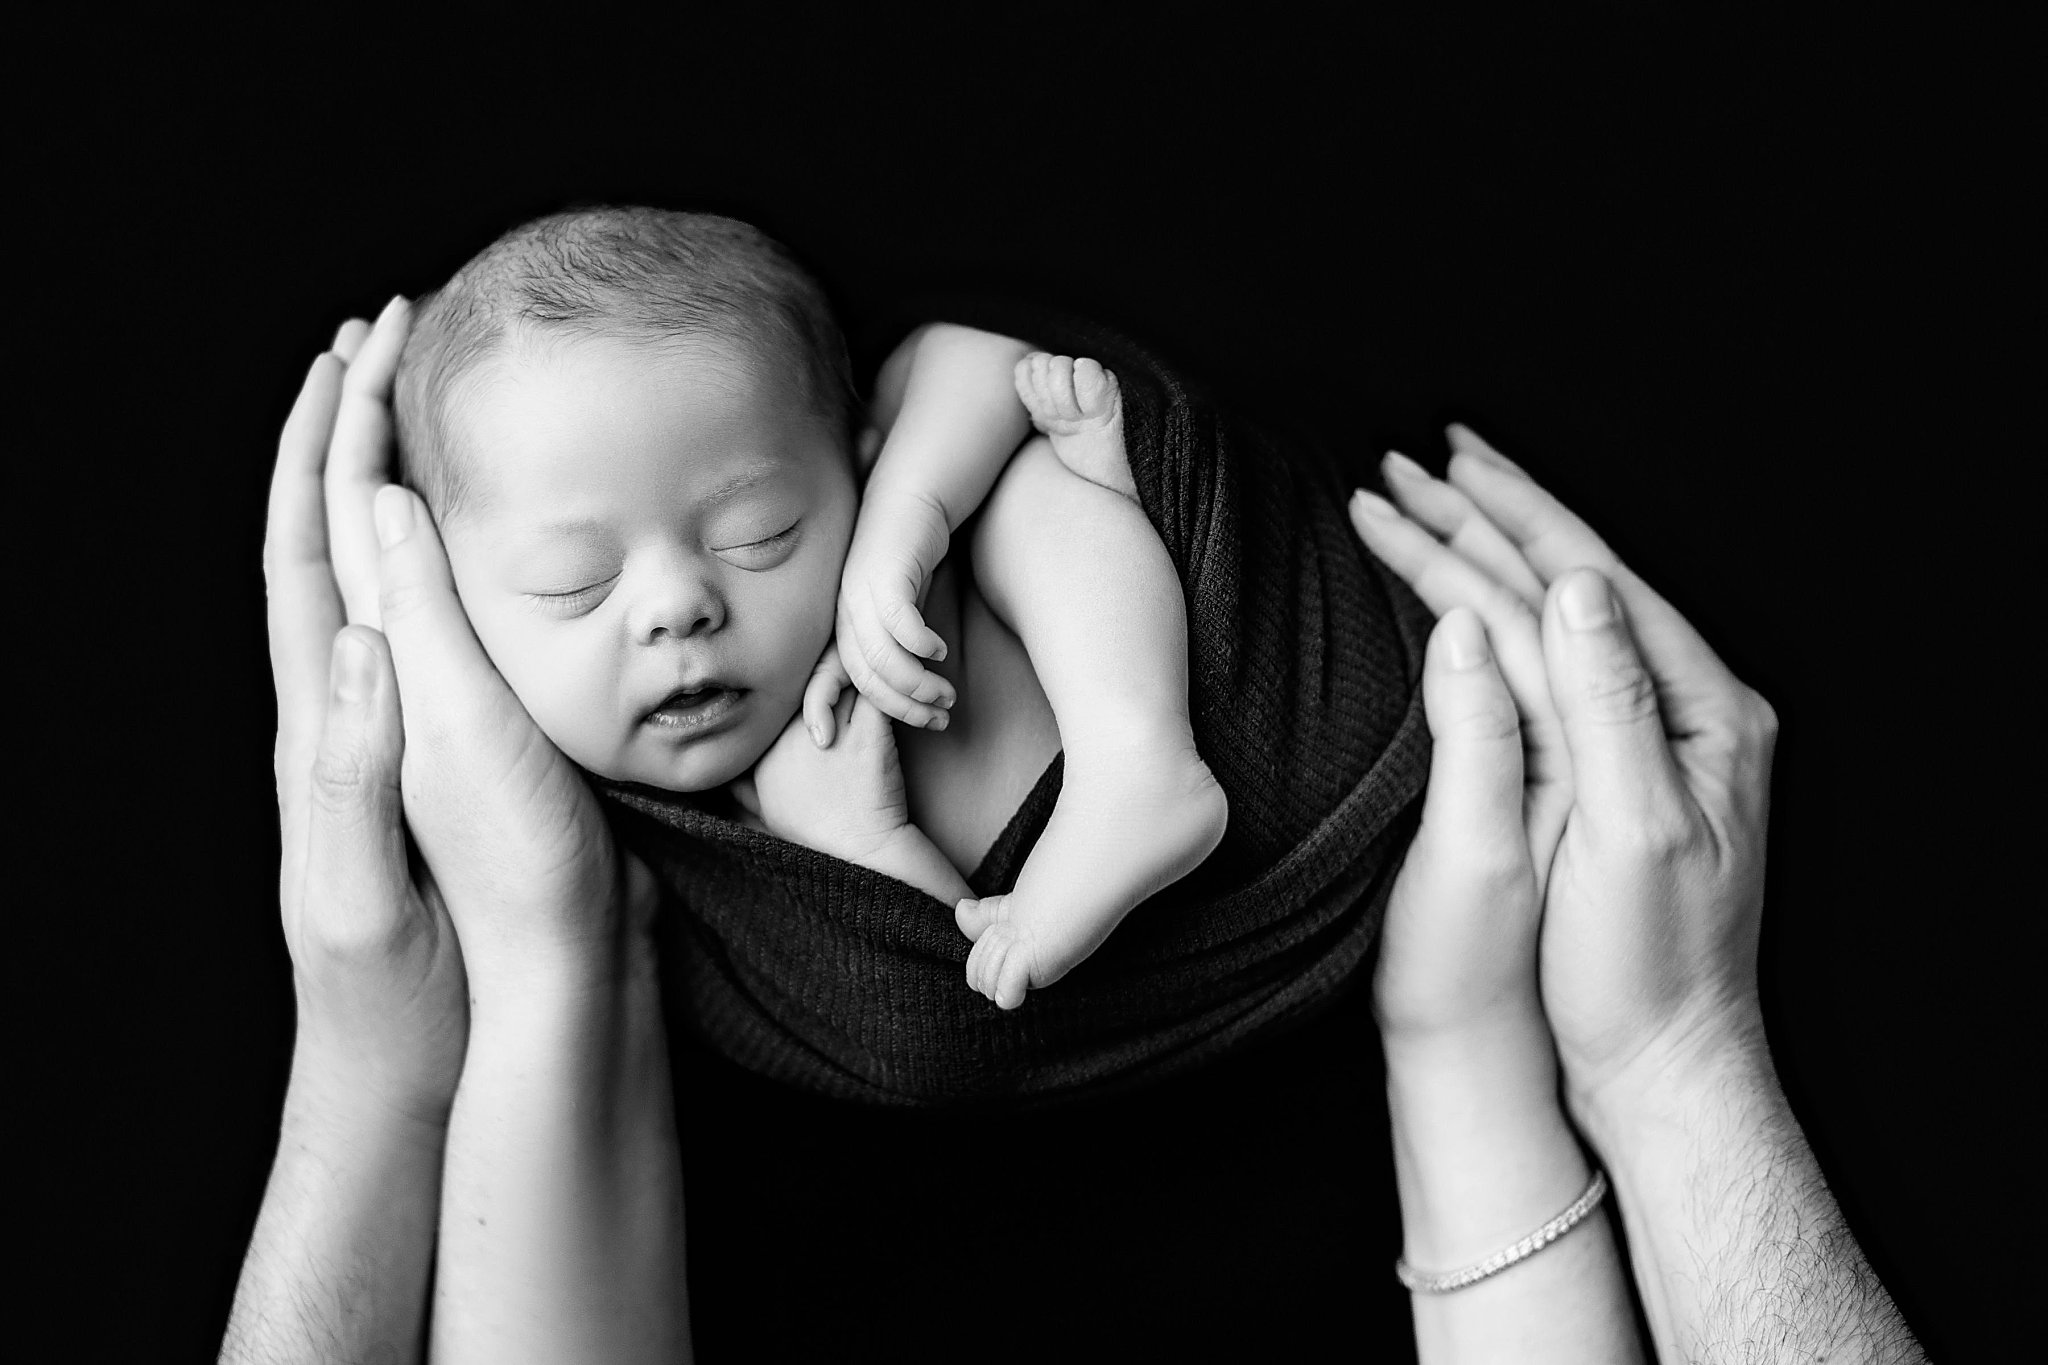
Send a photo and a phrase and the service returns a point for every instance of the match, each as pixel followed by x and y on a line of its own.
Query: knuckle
pixel 1621 694
pixel 400 601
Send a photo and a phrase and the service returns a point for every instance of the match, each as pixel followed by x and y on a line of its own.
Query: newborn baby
pixel 637 432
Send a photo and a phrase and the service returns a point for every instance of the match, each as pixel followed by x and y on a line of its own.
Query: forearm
pixel 562 1215
pixel 1483 1155
pixel 1739 1250
pixel 338 1265
pixel 947 405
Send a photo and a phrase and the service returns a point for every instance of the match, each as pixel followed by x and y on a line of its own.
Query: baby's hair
pixel 644 275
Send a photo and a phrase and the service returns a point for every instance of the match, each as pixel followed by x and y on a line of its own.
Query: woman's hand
pixel 1482 1150
pixel 1655 890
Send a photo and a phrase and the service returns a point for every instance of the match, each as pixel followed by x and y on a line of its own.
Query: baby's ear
pixel 865 448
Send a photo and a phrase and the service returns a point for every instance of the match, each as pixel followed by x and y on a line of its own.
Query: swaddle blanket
pixel 1305 665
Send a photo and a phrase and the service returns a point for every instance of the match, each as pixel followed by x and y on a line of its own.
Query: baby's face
pixel 651 554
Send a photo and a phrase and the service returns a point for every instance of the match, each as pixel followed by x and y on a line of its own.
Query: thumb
pixel 1607 701
pixel 356 874
pixel 1473 807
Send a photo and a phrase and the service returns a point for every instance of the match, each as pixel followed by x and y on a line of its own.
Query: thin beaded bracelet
pixel 1423 1282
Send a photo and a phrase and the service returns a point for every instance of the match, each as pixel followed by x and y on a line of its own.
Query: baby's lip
pixel 691 697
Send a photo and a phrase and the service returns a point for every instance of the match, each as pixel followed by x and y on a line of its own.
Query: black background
pixel 1756 298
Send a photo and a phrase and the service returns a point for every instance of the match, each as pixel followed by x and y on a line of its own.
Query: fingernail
pixel 397 302
pixel 1373 505
pixel 1585 602
pixel 1466 441
pixel 351 669
pixel 1464 640
pixel 1401 464
pixel 817 735
pixel 938 722
pixel 394 515
pixel 939 654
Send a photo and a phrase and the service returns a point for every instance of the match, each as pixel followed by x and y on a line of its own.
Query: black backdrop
pixel 1751 297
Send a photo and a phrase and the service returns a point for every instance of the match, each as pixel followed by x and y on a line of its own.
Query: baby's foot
pixel 1128 823
pixel 1076 403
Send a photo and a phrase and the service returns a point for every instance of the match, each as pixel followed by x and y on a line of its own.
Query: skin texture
pixel 561 1190
pixel 547 1181
pixel 648 521
pixel 1645 813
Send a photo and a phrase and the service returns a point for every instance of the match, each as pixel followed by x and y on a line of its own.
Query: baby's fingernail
pixel 939 652
pixel 817 736
pixel 1373 505
pixel 937 722
pixel 394 515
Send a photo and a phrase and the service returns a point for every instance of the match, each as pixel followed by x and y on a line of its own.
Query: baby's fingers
pixel 906 626
pixel 821 694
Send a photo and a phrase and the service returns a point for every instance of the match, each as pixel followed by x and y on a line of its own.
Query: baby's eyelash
pixel 573 597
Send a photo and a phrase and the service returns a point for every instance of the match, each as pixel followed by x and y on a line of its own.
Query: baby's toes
pixel 975 916
pixel 1095 390
pixel 1012 977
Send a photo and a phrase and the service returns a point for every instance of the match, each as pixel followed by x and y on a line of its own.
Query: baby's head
pixel 633 429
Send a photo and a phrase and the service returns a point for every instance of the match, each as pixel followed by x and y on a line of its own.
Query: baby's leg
pixel 1071 564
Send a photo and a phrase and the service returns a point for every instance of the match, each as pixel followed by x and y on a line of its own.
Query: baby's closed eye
pixel 765 553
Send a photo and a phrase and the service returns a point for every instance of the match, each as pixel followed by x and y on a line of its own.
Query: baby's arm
pixel 848 800
pixel 946 404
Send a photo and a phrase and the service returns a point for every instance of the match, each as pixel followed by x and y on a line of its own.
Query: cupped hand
pixel 376 966
pixel 511 835
pixel 1654 894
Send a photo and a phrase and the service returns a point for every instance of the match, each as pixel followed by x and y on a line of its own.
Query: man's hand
pixel 337 1267
pixel 882 638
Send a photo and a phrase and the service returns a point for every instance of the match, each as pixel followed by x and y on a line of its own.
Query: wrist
pixel 1685 1071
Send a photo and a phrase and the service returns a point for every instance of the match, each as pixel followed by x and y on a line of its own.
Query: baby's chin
pixel 677 764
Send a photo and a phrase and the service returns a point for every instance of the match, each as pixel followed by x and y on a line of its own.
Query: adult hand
pixel 511 833
pixel 1654 893
pixel 1651 914
pixel 376 966
pixel 338 1264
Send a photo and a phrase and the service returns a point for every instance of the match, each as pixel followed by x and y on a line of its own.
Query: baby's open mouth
pixel 696 708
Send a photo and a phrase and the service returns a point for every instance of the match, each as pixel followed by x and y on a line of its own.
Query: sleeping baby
pixel 703 570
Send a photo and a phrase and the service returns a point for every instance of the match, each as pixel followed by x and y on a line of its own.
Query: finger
pixel 348 339
pixel 359 461
pixel 819 695
pixel 1474 801
pixel 1455 520
pixel 356 882
pixel 444 676
pixel 303 608
pixel 877 658
pixel 1696 687
pixel 1446 580
pixel 1623 774
pixel 906 626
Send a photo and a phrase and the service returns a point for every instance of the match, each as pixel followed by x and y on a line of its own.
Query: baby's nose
pixel 679 608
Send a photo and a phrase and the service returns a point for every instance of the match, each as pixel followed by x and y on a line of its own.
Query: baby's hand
pixel 883 640
pixel 846 800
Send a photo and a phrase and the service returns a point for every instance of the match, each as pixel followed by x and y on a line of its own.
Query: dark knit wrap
pixel 1305 664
